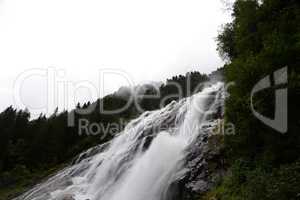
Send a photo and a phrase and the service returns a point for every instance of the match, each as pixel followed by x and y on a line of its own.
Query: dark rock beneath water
pixel 205 163
pixel 68 197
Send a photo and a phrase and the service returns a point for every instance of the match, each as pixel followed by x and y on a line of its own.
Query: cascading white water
pixel 141 162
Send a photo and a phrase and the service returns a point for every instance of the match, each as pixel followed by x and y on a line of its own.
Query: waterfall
pixel 140 163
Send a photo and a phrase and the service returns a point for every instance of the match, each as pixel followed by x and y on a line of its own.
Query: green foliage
pixel 263 37
pixel 18 180
pixel 256 183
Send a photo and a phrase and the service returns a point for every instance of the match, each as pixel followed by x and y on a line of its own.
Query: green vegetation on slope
pixel 263 37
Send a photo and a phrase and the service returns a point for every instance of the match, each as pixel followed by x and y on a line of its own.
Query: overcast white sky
pixel 149 40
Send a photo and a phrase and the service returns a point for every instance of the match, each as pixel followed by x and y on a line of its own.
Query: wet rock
pixel 68 197
pixel 205 165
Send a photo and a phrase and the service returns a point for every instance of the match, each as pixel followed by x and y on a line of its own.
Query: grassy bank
pixel 20 180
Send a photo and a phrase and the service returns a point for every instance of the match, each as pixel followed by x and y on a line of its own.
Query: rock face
pixel 68 197
pixel 205 165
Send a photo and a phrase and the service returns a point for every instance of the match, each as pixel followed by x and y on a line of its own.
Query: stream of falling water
pixel 141 162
